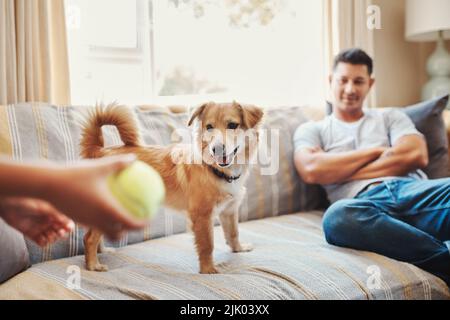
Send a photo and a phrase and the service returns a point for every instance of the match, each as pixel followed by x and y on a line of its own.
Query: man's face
pixel 350 84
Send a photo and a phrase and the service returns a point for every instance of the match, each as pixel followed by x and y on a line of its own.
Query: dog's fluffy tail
pixel 92 142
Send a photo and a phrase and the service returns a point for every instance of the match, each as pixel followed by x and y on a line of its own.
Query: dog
pixel 212 184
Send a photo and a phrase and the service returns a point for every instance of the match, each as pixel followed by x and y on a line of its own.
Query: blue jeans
pixel 404 219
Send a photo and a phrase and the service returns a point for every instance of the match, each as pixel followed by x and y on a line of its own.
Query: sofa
pixel 281 216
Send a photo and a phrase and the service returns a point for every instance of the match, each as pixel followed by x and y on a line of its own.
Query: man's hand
pixel 408 154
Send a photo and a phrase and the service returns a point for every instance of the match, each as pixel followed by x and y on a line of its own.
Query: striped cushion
pixel 290 260
pixel 41 131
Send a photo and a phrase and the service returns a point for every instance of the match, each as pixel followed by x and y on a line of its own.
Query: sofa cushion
pixel 35 131
pixel 428 119
pixel 13 250
pixel 290 260
pixel 427 116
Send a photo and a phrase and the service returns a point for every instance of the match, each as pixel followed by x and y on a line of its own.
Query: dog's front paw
pixel 243 247
pixel 208 270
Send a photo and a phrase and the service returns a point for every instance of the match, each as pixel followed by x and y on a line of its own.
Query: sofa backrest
pixel 32 131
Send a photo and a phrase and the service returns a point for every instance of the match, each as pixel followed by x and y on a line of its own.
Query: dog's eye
pixel 233 125
pixel 209 127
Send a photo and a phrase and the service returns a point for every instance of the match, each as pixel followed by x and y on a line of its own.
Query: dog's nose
pixel 219 149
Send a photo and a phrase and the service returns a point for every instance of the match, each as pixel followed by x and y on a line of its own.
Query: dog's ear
pixel 197 113
pixel 251 115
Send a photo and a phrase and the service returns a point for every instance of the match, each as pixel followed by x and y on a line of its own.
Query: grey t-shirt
pixel 377 128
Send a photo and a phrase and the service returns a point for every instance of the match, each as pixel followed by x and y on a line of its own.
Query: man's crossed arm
pixel 319 167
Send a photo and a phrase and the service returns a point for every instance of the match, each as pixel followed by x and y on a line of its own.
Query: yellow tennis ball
pixel 139 188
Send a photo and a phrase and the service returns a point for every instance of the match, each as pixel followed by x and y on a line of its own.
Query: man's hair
pixel 354 56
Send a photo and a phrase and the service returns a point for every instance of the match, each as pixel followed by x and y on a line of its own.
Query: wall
pixel 399 64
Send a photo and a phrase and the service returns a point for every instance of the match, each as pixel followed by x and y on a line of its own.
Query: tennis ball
pixel 139 188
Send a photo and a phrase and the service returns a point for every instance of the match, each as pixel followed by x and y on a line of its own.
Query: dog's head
pixel 227 133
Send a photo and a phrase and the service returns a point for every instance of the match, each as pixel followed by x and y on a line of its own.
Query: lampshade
pixel 424 18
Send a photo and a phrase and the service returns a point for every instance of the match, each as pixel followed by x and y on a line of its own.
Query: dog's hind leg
pixel 91 241
pixel 102 249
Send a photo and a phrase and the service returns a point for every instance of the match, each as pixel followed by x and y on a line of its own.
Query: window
pixel 190 51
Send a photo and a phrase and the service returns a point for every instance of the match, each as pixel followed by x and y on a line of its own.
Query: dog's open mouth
pixel 226 160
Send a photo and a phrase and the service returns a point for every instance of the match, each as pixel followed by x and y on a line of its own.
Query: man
pixel 369 162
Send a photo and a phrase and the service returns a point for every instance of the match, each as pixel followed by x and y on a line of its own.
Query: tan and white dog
pixel 223 134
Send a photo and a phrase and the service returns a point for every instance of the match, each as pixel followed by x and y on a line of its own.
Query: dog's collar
pixel 223 175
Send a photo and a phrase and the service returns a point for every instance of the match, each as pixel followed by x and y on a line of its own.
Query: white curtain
pixel 346 27
pixel 33 52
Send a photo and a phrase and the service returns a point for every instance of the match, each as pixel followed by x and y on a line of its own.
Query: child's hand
pixel 82 193
pixel 36 219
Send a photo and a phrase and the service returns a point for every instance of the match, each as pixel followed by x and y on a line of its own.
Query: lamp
pixel 429 20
